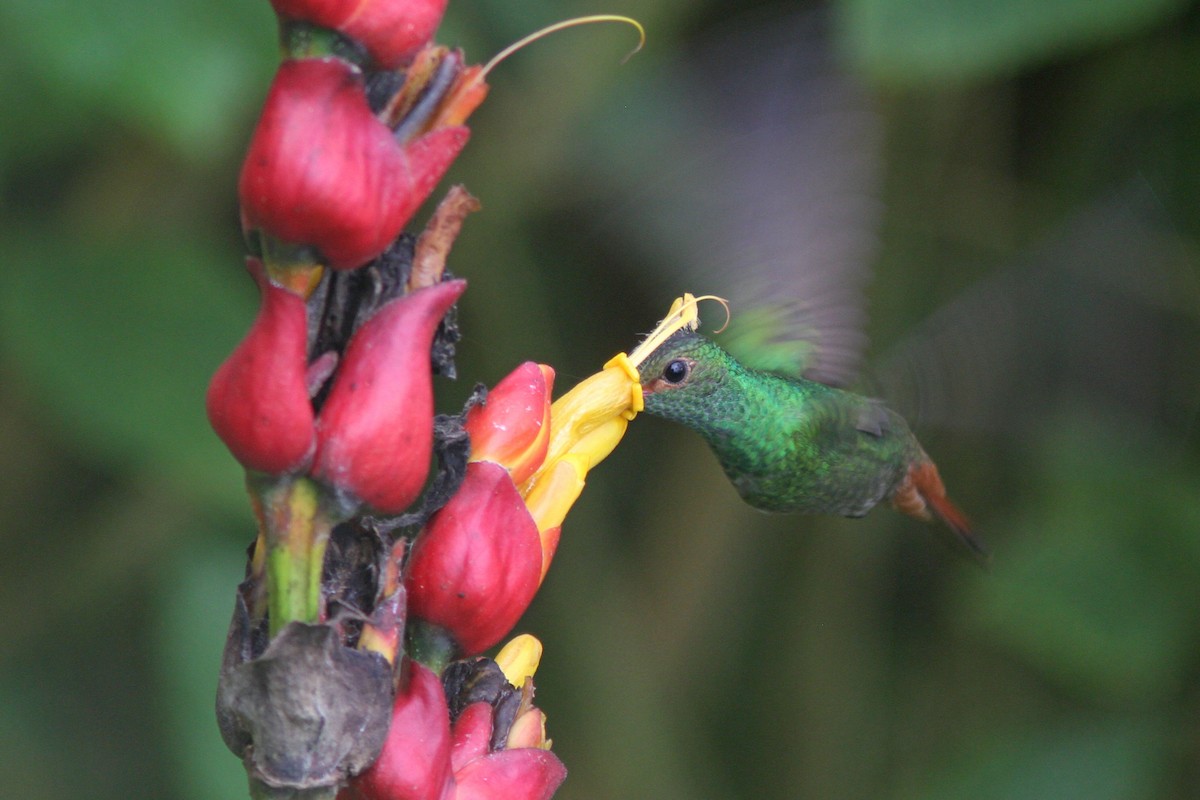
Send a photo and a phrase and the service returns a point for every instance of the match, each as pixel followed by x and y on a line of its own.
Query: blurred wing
pixel 1105 312
pixel 757 178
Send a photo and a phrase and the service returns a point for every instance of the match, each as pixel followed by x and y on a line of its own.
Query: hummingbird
pixel 759 173
pixel 784 170
pixel 790 444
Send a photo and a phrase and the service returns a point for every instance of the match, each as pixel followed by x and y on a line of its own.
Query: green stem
pixel 295 267
pixel 296 534
pixel 305 40
pixel 429 644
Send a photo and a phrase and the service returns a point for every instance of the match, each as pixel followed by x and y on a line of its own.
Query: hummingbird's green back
pixel 787 444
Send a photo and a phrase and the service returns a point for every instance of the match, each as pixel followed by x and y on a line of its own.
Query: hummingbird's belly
pixel 841 484
pixel 808 497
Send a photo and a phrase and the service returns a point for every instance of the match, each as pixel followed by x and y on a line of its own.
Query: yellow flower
pixel 587 423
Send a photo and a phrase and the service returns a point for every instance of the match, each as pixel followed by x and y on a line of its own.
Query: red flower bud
pixel 375 431
pixel 523 774
pixel 390 30
pixel 519 770
pixel 322 170
pixel 415 761
pixel 477 564
pixel 258 400
pixel 472 734
pixel 512 426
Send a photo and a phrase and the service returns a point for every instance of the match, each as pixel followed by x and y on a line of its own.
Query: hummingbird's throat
pixel 684 315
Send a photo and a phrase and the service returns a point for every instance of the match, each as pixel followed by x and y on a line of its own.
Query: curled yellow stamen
pixel 558 26
pixel 470 87
pixel 683 315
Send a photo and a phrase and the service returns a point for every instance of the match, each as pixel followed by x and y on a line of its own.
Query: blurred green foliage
pixel 694 647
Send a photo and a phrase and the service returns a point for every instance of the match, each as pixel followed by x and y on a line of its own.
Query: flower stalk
pixel 353 666
pixel 294 548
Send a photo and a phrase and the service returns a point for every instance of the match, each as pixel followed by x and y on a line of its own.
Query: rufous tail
pixel 922 491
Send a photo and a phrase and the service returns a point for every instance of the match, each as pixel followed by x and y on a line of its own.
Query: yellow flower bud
pixel 529 730
pixel 519 659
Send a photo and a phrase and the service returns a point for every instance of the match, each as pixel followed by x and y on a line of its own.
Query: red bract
pixel 390 30
pixel 258 401
pixel 422 760
pixel 522 773
pixel 415 761
pixel 375 432
pixel 472 734
pixel 512 427
pixel 323 171
pixel 476 566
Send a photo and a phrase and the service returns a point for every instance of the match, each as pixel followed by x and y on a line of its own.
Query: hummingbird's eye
pixel 676 371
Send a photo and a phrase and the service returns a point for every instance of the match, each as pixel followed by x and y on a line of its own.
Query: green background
pixel 694 648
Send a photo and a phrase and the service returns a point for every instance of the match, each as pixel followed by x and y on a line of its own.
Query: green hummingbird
pixel 783 171
pixel 790 444
pixel 758 173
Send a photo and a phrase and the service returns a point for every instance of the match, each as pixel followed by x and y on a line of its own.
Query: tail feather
pixel 922 491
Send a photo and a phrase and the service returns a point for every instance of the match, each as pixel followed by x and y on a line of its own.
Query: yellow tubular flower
pixel 604 401
pixel 556 491
pixel 587 423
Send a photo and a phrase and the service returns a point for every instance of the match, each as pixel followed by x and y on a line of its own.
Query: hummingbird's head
pixel 681 373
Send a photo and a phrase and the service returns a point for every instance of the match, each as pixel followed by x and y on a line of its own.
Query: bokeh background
pixel 1014 185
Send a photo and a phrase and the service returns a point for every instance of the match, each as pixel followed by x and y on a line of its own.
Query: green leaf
pixel 918 41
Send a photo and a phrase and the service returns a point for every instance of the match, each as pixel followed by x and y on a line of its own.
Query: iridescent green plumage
pixel 792 444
